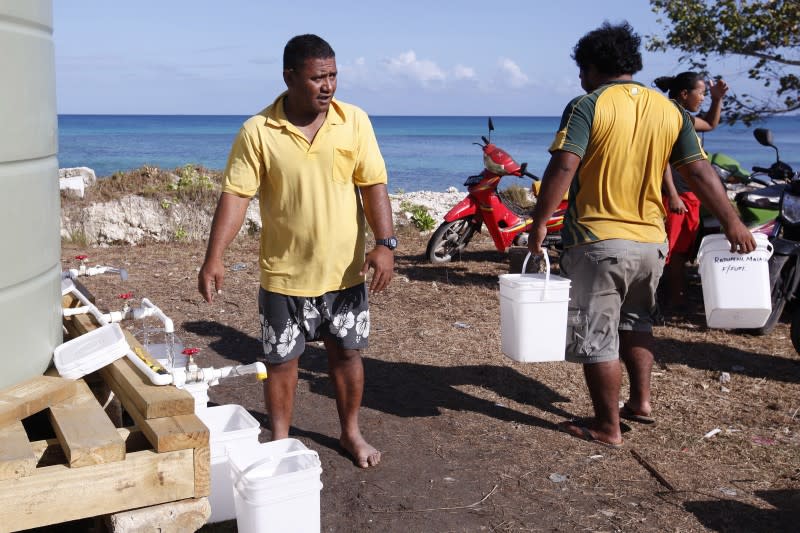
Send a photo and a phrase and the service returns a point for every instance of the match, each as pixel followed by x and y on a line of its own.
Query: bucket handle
pixel 546 262
pixel 546 272
pixel 269 459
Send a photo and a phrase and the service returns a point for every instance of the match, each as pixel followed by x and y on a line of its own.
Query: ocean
pixel 421 153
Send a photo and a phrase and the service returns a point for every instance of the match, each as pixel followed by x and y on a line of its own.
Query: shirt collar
pixel 276 116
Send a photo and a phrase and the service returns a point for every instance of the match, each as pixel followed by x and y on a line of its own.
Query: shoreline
pixel 166 207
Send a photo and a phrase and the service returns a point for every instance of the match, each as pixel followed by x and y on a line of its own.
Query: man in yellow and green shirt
pixel 611 150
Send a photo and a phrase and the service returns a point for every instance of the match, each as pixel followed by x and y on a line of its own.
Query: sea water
pixel 421 153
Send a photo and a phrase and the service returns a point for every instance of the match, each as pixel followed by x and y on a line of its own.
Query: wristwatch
pixel 390 243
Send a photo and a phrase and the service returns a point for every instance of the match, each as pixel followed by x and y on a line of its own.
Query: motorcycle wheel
pixel 778 298
pixel 449 239
pixel 795 330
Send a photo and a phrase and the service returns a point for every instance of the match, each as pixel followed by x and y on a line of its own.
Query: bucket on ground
pixel 231 427
pixel 533 315
pixel 736 290
pixel 276 487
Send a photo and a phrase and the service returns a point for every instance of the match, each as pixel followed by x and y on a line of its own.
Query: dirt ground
pixel 468 436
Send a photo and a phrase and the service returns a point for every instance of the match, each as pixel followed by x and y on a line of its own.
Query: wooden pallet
pixel 91 467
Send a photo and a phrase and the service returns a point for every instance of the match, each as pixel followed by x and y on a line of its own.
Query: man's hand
pixel 742 241
pixel 381 261
pixel 717 90
pixel 228 218
pixel 211 273
pixel 676 205
pixel 535 239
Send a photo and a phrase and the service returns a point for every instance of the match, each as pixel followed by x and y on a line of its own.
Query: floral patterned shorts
pixel 288 322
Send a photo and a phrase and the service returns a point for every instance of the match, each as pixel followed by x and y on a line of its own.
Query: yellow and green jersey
pixel 625 135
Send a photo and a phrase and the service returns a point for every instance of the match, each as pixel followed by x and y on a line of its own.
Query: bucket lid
pixel 534 281
pixel 718 242
pixel 91 351
pixel 256 466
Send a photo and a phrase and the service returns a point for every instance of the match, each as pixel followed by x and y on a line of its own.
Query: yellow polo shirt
pixel 313 234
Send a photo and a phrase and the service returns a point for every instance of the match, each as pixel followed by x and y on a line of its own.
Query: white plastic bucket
pixel 533 315
pixel 276 487
pixel 736 292
pixel 231 427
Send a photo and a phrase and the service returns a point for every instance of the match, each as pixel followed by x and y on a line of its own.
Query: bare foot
pixel 585 432
pixel 364 455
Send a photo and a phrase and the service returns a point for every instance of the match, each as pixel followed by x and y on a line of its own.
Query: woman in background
pixel 681 204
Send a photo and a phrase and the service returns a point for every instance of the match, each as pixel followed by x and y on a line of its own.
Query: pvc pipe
pixel 150 309
pixel 68 287
pixel 154 377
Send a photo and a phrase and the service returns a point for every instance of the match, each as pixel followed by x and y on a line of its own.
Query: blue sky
pixel 409 57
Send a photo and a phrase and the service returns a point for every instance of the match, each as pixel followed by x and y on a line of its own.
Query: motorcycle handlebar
pixel 760 169
pixel 531 176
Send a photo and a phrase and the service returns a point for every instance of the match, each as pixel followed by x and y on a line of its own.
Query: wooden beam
pixel 202 471
pixel 56 494
pixel 166 433
pixel 31 396
pixel 85 432
pixel 17 458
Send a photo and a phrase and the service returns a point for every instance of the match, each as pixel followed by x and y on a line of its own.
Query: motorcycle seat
pixel 520 211
pixel 766 198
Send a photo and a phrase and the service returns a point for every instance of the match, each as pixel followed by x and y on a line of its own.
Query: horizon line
pixel 250 114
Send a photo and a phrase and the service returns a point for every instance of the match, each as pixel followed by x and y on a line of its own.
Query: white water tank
pixel 30 244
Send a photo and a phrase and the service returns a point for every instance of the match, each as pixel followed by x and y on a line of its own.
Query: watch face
pixel 390 243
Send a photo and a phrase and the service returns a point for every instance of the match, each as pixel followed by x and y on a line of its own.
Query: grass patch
pixel 191 183
pixel 420 217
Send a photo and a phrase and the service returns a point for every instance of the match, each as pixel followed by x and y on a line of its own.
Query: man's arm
pixel 706 185
pixel 555 182
pixel 675 203
pixel 228 219
pixel 378 210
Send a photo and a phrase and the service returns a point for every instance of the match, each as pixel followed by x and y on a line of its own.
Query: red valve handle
pixel 190 351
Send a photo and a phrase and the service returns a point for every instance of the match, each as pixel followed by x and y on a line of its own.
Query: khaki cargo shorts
pixel 613 288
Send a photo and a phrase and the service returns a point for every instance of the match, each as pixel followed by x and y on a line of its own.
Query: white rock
pixel 85 173
pixel 74 184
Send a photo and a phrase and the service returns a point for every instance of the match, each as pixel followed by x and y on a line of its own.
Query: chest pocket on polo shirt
pixel 344 163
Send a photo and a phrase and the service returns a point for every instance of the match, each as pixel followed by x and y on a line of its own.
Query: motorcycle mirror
pixel 491 124
pixel 763 136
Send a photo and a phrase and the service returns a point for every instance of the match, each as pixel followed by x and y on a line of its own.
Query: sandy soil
pixel 468 435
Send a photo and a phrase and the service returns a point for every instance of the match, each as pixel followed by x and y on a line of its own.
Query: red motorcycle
pixel 507 222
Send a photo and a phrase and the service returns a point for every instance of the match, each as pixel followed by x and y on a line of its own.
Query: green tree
pixel 765 35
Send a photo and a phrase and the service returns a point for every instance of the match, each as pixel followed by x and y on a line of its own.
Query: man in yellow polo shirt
pixel 611 151
pixel 315 164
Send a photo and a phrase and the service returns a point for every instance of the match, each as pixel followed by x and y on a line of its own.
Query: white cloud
pixel 460 72
pixel 422 70
pixel 513 75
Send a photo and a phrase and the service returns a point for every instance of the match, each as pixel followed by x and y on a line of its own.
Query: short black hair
pixel 673 85
pixel 302 47
pixel 612 50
